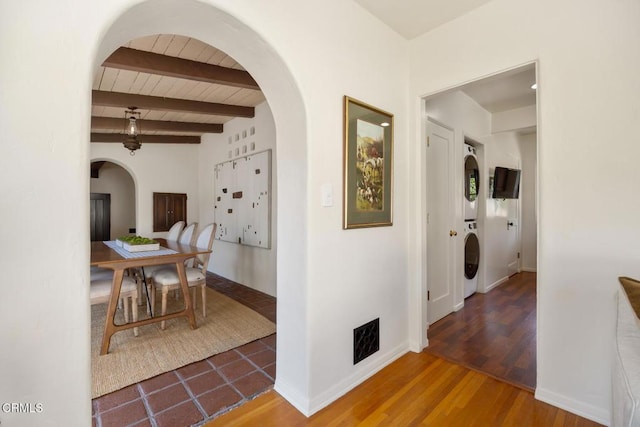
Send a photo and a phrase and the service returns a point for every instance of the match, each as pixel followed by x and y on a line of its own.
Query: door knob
pixel 453 233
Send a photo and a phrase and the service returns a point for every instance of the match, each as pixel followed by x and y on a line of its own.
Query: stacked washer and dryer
pixel 471 242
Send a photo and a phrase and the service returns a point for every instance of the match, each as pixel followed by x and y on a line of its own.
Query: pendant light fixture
pixel 132 130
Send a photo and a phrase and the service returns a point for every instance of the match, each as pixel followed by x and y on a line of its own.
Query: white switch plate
pixel 326 190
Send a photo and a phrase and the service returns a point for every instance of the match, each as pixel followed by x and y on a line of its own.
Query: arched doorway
pixel 112 182
pixel 217 28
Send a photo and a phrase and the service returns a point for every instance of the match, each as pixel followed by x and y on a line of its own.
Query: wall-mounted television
pixel 506 183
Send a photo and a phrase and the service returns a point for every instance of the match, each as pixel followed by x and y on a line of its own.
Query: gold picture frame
pixel 367 166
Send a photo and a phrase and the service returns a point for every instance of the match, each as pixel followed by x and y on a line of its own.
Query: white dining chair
pixel 188 234
pixel 98 273
pixel 174 232
pixel 100 293
pixel 167 279
pixel 173 235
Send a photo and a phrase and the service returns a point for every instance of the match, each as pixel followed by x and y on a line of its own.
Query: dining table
pixel 109 255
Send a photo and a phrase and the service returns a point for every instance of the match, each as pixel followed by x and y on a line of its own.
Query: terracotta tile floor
pixel 199 392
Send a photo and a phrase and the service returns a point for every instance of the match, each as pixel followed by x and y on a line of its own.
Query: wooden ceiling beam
pixel 155 125
pixel 147 139
pixel 95 168
pixel 153 63
pixel 125 100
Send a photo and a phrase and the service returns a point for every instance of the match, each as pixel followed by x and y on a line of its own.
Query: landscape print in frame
pixel 368 165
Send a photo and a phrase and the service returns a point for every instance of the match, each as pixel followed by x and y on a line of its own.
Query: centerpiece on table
pixel 137 243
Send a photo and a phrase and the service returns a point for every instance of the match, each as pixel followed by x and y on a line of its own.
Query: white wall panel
pixel 251 266
pixel 243 200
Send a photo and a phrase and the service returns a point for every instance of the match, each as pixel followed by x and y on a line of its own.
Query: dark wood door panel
pixel 168 208
pixel 100 219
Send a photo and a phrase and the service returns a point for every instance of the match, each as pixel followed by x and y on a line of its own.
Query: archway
pixel 108 177
pixel 217 28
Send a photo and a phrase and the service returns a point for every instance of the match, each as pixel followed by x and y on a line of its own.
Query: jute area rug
pixel 130 360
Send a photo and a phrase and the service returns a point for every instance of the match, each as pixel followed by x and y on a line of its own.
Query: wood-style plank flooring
pixel 416 389
pixel 494 333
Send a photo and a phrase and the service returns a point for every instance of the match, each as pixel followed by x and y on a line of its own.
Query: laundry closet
pixel 470 208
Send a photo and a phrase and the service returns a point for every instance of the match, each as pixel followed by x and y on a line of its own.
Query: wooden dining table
pixel 105 257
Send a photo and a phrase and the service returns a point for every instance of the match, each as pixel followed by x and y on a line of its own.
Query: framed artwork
pixel 368 165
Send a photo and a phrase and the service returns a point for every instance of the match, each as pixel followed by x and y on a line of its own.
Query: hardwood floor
pixel 494 333
pixel 417 389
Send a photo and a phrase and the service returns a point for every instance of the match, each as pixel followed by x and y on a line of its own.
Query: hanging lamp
pixel 132 130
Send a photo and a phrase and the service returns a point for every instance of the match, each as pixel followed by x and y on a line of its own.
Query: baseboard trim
pixel 364 372
pixel 494 284
pixel 529 270
pixel 290 395
pixel 415 346
pixel 459 306
pixel 590 412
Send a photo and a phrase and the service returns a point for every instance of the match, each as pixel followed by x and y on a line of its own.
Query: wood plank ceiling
pixel 181 86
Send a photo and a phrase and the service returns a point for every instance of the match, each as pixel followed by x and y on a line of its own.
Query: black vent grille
pixel 366 340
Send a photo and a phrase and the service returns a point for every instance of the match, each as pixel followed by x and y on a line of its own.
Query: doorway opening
pixel 217 28
pixel 496 118
pixel 113 201
pixel 178 178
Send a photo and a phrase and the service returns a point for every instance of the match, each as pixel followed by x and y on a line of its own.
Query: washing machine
pixel 471 257
pixel 471 183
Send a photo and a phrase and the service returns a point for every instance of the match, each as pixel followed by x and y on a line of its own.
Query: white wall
pixel 250 266
pixel 529 228
pixel 501 242
pixel 513 120
pixel 116 181
pixel 160 168
pixel 354 275
pixel 587 101
pixel 44 169
pixel 456 109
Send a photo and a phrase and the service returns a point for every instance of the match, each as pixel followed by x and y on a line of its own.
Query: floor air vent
pixel 366 340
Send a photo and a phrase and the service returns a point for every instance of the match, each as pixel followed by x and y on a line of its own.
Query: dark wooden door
pixel 100 221
pixel 168 208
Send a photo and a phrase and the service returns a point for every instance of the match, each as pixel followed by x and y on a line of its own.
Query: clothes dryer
pixel 471 183
pixel 471 257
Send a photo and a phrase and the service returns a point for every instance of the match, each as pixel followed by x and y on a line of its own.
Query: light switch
pixel 326 191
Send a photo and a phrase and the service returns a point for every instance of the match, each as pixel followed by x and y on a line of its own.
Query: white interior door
pixel 440 221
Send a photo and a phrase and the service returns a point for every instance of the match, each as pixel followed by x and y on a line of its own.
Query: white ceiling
pixel 411 18
pixel 504 91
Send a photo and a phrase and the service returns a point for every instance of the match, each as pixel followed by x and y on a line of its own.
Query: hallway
pixel 495 333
